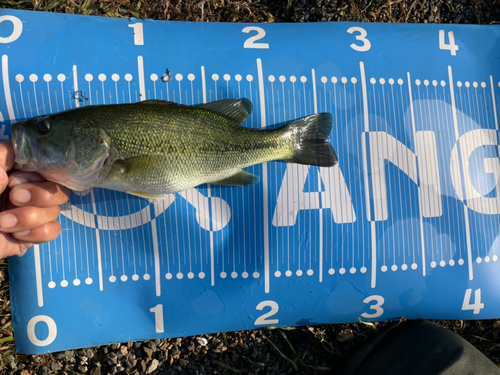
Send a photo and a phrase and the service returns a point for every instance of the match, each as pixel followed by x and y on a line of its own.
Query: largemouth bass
pixel 156 147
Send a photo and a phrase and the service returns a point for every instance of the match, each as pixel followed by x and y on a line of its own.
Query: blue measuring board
pixel 406 225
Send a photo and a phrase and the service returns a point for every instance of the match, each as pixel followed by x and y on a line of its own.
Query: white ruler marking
pixel 75 86
pixel 98 242
pixel 420 209
pixel 156 257
pixel 142 84
pixel 6 87
pixel 466 211
pixel 38 276
pixel 264 179
pixel 365 172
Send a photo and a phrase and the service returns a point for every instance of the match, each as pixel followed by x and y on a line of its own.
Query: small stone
pixel 96 371
pixel 13 364
pixel 149 352
pixel 44 370
pixel 183 362
pixel 152 366
pixel 82 368
pixel 83 360
pixel 345 335
pixel 55 366
pixel 112 358
pixel 143 366
pixel 157 342
pixel 89 353
pixel 105 350
pixel 69 356
pixel 114 370
pixel 202 341
pixel 152 346
pixel 123 350
pixel 115 346
pixel 137 344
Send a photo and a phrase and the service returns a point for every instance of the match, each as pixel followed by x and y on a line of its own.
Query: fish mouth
pixel 21 145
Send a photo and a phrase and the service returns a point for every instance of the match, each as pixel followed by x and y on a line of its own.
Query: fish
pixel 157 147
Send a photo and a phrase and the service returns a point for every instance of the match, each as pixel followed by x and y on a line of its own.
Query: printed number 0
pixel 362 36
pixel 261 320
pixel 250 42
pixel 51 326
pixel 377 307
pixel 16 33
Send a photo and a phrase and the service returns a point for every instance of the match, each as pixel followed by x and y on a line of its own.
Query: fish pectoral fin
pixel 236 110
pixel 145 195
pixel 241 178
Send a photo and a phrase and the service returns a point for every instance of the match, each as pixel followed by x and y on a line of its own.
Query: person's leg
pixel 419 348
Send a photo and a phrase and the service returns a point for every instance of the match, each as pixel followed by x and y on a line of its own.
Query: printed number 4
pixel 477 305
pixel 452 47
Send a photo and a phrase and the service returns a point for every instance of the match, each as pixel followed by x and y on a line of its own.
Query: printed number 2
pixel 477 305
pixel 16 33
pixel 377 307
pixel 362 36
pixel 262 320
pixel 250 42
pixel 138 34
pixel 452 47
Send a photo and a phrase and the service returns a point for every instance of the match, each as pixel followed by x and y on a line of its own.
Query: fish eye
pixel 43 127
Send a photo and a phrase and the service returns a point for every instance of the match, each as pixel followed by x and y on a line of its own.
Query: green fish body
pixel 157 147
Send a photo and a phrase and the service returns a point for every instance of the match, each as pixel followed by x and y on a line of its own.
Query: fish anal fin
pixel 236 110
pixel 145 195
pixel 241 178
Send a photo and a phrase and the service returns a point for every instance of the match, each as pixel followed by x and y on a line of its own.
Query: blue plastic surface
pixel 406 225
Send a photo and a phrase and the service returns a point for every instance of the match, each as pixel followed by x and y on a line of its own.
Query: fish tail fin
pixel 311 145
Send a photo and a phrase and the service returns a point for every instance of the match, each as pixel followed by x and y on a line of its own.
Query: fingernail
pixel 23 233
pixel 8 221
pixel 21 196
pixel 24 251
pixel 18 181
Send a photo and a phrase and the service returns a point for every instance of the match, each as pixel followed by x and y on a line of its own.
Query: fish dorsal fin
pixel 241 178
pixel 236 110
pixel 161 102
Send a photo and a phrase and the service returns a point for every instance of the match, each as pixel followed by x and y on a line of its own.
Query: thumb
pixel 7 157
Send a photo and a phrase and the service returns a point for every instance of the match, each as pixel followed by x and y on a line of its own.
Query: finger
pixel 18 178
pixel 39 194
pixel 10 246
pixel 23 218
pixel 7 157
pixel 44 233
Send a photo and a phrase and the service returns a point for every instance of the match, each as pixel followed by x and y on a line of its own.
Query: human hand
pixel 29 206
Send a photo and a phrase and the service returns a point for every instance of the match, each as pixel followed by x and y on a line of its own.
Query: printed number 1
pixel 138 34
pixel 158 311
pixel 452 47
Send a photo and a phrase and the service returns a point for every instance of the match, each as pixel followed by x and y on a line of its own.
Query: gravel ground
pixel 304 350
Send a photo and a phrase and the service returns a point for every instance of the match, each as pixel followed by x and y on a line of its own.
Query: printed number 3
pixel 362 36
pixel 377 307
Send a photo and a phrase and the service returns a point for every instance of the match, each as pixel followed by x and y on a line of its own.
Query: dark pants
pixel 419 347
